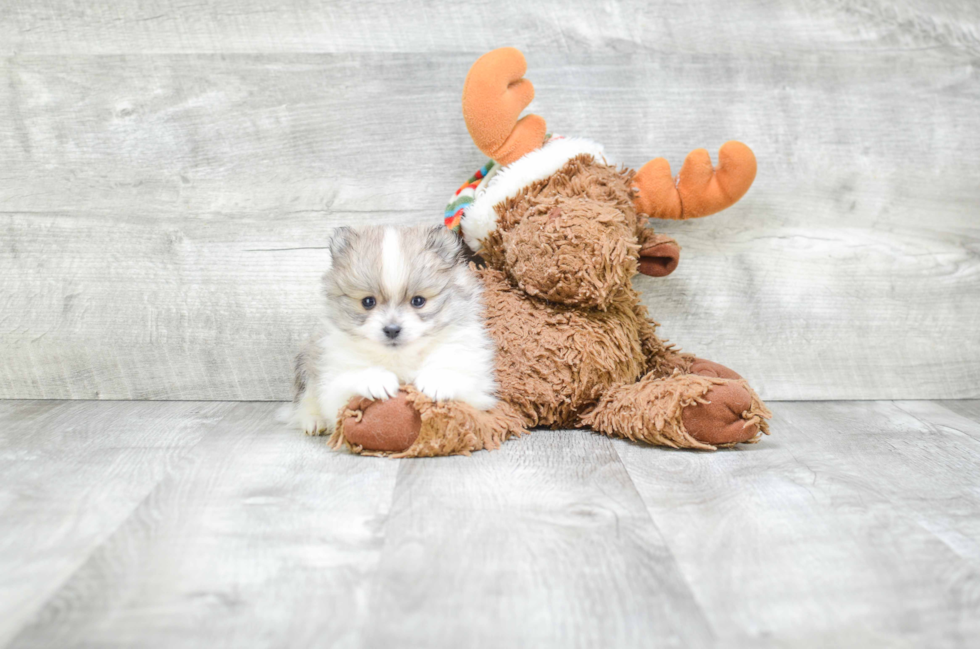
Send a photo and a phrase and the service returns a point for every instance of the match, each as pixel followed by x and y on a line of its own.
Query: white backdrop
pixel 170 173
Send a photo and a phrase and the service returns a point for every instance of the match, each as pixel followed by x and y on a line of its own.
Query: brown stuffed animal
pixel 562 233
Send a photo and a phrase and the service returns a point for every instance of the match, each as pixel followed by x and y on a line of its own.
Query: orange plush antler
pixel 494 94
pixel 700 189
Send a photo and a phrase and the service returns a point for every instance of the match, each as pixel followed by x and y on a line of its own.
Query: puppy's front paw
pixel 376 383
pixel 314 424
pixel 438 386
pixel 307 416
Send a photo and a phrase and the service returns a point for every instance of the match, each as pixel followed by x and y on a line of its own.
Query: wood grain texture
pixel 72 474
pixel 872 506
pixel 263 537
pixel 210 525
pixel 543 544
pixel 168 171
pixel 969 408
pixel 268 26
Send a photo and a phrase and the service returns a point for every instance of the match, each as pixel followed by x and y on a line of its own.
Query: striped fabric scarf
pixel 467 192
pixel 465 195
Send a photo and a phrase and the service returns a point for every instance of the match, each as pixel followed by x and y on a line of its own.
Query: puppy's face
pixel 395 286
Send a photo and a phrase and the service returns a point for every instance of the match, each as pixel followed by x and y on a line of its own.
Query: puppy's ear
pixel 340 241
pixel 446 244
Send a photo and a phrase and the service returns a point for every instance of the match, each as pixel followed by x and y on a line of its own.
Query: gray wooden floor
pixel 208 524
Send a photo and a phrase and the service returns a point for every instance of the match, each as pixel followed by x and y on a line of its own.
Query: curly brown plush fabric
pixel 575 346
pixel 449 428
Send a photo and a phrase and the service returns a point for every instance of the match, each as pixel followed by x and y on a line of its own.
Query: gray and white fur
pixel 402 307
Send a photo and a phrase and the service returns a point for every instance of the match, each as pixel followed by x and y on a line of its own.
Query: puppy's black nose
pixel 392 331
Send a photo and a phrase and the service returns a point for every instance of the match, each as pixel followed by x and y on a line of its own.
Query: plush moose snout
pixel 572 250
pixel 659 254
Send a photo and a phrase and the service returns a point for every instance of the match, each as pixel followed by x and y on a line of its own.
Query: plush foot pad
pixel 711 368
pixel 390 426
pixel 720 421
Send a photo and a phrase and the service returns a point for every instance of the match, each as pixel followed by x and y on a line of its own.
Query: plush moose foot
pixel 719 422
pixel 703 367
pixel 683 410
pixel 412 425
pixel 388 426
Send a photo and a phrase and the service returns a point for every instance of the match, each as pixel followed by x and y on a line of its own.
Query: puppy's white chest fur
pixel 457 365
pixel 343 353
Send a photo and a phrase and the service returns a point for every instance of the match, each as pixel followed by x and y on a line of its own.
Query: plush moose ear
pixel 659 254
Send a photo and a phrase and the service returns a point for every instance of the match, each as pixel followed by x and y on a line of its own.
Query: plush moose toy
pixel 562 233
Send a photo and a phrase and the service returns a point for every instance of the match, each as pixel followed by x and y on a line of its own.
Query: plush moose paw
pixel 710 368
pixel 720 422
pixel 388 426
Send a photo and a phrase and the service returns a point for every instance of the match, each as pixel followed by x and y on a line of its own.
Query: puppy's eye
pixel 368 303
pixel 418 301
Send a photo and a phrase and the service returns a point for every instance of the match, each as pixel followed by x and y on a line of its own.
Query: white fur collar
pixel 479 218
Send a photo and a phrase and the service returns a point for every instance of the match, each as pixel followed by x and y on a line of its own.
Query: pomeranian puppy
pixel 402 307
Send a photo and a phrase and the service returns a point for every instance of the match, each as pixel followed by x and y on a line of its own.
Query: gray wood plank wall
pixel 170 172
